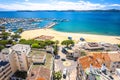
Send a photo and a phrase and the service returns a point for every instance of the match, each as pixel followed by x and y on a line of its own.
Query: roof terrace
pixel 37 70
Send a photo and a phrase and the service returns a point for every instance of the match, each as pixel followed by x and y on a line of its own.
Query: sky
pixel 11 5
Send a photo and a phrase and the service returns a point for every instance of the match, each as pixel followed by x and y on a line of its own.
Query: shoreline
pixel 30 34
pixel 86 33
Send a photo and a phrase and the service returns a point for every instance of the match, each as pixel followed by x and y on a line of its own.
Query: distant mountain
pixel 109 10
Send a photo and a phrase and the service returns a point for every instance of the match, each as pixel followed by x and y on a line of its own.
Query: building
pixel 20 53
pixel 39 72
pixel 7 55
pixel 5 70
pixel 109 47
pixel 72 54
pixel 96 60
pixel 16 56
pixel 114 61
pixel 21 62
pixel 41 65
pixel 93 46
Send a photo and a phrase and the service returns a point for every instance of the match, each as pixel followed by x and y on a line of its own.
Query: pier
pixel 50 25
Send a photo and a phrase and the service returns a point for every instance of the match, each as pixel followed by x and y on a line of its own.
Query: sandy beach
pixel 30 34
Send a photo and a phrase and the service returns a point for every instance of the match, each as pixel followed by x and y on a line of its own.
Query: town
pixel 41 58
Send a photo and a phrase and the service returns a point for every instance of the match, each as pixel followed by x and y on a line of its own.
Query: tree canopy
pixel 57 75
pixel 67 42
pixel 41 44
pixel 119 45
pixel 5 35
pixel 20 30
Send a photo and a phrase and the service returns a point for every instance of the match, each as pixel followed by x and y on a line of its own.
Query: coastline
pixel 30 34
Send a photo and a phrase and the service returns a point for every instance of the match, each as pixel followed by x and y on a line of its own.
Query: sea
pixel 88 22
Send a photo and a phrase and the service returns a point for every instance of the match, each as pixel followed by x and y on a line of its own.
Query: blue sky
pixel 58 4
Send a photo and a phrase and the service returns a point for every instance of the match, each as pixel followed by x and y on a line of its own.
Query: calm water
pixel 106 23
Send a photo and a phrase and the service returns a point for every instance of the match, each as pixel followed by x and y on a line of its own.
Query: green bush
pixel 119 45
pixel 1 47
pixel 83 53
pixel 35 45
pixel 3 42
pixel 67 42
pixel 57 75
pixel 55 49
pixel 49 42
pixel 41 44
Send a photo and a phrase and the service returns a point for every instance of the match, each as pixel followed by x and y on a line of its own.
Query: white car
pixel 64 73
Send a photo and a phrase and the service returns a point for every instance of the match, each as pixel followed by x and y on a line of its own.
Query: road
pixel 71 68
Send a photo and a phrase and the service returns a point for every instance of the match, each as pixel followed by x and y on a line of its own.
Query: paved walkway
pixel 71 68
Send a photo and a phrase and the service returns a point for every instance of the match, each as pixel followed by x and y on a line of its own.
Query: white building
pixel 20 52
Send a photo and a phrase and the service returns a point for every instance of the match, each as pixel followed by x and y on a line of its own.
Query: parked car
pixel 63 59
pixel 64 73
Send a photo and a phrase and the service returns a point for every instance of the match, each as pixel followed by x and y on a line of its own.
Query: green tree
pixel 57 75
pixel 83 53
pixel 67 42
pixel 16 36
pixel 1 47
pixel 119 45
pixel 20 30
pixel 42 44
pixel 55 49
pixel 5 35
pixel 56 42
pixel 3 42
pixel 35 45
pixel 49 42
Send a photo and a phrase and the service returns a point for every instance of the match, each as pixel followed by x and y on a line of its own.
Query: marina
pixel 28 23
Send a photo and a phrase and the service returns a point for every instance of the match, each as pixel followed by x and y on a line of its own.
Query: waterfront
pixel 30 34
pixel 103 23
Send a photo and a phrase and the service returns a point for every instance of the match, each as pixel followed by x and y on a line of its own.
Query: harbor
pixel 29 23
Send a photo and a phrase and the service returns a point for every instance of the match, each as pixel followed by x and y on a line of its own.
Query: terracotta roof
pixel 41 79
pixel 39 73
pixel 114 57
pixel 95 59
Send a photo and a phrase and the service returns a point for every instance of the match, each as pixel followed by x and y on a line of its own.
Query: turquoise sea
pixel 105 23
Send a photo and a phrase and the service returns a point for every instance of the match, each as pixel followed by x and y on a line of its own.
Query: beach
pixel 30 34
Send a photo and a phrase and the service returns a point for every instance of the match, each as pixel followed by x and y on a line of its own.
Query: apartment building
pixel 13 59
pixel 5 70
pixel 20 53
pixel 7 55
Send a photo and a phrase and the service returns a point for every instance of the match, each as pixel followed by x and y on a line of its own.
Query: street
pixel 70 65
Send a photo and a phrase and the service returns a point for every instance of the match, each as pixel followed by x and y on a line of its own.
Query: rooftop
pixel 39 72
pixel 21 48
pixel 96 59
pixel 93 46
pixel 114 57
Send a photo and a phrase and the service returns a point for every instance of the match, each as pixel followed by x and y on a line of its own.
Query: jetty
pixel 50 25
